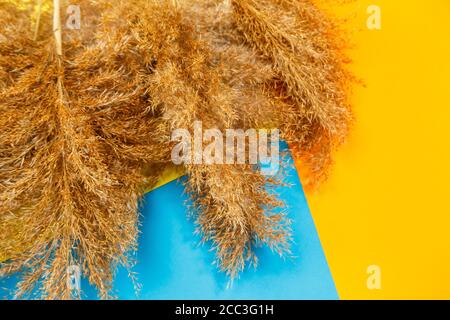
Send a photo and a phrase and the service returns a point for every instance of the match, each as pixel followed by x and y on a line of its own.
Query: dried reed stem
pixel 38 20
pixel 57 26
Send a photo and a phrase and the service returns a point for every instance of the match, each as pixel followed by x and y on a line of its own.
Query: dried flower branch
pixel 70 163
pixel 305 50
pixel 87 116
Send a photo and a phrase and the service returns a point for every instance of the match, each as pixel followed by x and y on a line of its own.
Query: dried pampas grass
pixel 87 116
pixel 233 205
pixel 72 151
pixel 306 52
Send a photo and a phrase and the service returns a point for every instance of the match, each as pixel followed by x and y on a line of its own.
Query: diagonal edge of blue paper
pixel 172 264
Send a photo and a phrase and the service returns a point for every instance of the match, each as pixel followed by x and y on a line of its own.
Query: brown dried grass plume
pixel 72 151
pixel 86 125
pixel 306 51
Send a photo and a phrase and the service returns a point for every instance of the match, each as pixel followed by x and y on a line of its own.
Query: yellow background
pixel 387 200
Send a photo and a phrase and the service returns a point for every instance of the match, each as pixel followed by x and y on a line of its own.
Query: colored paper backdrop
pixel 386 202
pixel 172 264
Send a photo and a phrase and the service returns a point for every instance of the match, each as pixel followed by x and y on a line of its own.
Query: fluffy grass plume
pixel 306 53
pixel 72 148
pixel 87 117
pixel 231 204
